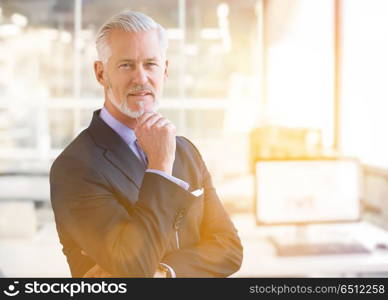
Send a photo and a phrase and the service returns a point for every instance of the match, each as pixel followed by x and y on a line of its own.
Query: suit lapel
pixel 128 163
pixel 117 151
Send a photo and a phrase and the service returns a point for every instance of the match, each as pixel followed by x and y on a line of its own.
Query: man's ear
pixel 99 72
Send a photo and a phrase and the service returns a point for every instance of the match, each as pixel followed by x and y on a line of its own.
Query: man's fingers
pixel 151 121
pixel 142 118
pixel 84 253
pixel 170 127
pixel 161 122
pixel 145 117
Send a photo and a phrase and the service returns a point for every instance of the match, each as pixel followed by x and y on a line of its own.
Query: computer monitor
pixel 304 191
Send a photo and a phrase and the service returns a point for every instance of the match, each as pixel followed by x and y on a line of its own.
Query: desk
pixel 261 260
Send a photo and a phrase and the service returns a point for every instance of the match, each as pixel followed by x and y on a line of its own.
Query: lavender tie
pixel 142 155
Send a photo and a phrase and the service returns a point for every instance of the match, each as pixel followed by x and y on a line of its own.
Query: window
pixel 364 81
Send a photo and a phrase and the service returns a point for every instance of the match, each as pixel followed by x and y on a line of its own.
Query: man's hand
pixel 160 273
pixel 156 136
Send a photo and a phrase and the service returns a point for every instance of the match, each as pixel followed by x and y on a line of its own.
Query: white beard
pixel 123 106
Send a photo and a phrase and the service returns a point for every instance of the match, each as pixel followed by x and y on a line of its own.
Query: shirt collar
pixel 126 133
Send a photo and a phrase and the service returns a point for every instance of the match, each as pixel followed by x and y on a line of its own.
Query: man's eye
pixel 151 64
pixel 124 66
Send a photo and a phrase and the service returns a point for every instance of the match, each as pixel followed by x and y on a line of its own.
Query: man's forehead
pixel 130 59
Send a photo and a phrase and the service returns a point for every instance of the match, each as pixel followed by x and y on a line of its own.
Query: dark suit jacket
pixel 126 220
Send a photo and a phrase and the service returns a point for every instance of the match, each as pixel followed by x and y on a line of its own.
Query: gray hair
pixel 128 21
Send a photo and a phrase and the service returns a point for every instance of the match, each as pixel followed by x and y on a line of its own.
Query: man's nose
pixel 140 76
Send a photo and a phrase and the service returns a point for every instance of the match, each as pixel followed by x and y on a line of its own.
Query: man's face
pixel 135 72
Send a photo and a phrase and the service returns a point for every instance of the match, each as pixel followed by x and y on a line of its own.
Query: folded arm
pixel 219 252
pixel 125 243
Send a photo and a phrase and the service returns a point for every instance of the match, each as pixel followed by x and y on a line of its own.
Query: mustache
pixel 141 87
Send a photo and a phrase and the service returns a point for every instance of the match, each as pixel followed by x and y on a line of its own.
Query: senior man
pixel 130 198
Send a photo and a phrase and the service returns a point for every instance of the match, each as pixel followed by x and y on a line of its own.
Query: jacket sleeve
pixel 219 252
pixel 124 242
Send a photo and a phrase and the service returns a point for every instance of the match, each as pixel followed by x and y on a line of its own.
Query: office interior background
pixel 248 80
